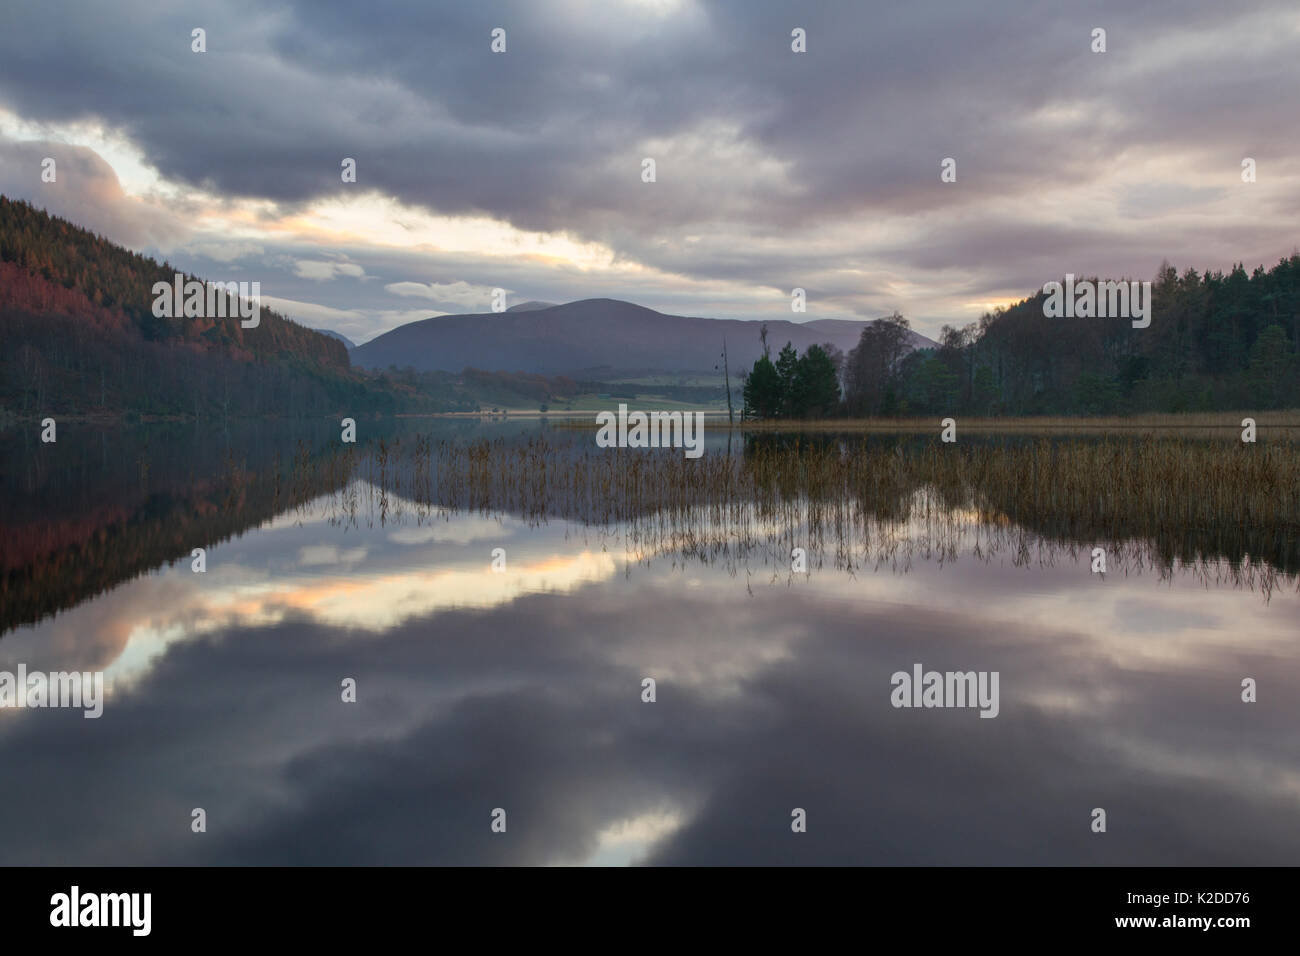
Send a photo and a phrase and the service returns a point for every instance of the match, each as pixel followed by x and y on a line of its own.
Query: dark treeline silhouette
pixel 1216 342
pixel 57 363
pixel 794 386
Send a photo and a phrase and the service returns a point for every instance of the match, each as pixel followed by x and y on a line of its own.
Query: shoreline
pixel 1218 421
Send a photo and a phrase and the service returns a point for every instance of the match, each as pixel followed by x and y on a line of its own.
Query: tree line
pixel 794 386
pixel 1217 341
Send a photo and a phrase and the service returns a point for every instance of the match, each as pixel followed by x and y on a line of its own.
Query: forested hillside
pixel 1216 342
pixel 78 335
pixel 112 287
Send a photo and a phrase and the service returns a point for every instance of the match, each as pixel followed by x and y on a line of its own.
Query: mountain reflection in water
pixel 521 688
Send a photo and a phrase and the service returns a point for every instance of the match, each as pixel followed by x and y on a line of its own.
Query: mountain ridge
pixel 595 333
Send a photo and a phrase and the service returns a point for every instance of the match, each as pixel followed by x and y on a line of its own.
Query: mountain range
pixel 347 342
pixel 595 336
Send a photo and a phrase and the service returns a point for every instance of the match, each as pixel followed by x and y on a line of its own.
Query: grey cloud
pixel 758 145
pixel 85 191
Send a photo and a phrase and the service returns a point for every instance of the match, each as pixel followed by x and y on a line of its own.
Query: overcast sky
pixel 774 169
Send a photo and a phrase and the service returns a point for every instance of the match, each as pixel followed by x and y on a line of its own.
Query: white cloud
pixel 223 251
pixel 330 554
pixel 460 293
pixel 326 271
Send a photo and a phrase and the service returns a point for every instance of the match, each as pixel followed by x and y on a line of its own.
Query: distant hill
pixel 593 333
pixel 532 305
pixel 335 335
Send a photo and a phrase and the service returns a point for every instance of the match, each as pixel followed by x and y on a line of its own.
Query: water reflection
pixel 521 689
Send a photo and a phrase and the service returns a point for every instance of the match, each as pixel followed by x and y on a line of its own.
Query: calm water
pixel 521 689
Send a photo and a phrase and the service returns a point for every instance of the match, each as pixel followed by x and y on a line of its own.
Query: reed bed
pixel 1280 423
pixel 1225 510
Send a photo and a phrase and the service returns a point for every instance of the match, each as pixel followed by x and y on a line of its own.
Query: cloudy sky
pixel 774 169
